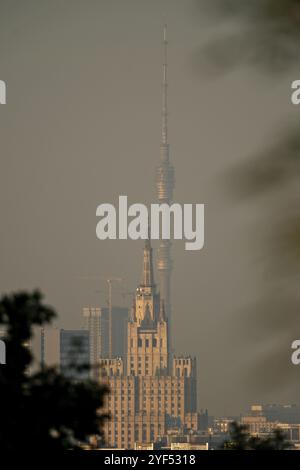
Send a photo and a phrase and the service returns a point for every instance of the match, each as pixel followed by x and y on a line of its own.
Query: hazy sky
pixel 82 125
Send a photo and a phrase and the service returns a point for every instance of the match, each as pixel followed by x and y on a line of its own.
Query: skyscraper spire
pixel 147 277
pixel 164 188
pixel 162 316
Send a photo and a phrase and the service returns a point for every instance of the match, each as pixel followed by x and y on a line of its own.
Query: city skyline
pixel 82 125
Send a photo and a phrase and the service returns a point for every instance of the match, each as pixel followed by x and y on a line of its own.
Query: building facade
pixel 75 354
pixel 96 321
pixel 288 413
pixel 150 391
pixel 119 331
pixel 66 350
pixel 93 323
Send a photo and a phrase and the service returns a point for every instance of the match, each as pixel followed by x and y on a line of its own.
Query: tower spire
pixel 164 190
pixel 147 278
pixel 162 316
pixel 164 134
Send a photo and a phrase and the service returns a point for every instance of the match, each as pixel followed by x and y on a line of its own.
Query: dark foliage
pixel 264 32
pixel 43 411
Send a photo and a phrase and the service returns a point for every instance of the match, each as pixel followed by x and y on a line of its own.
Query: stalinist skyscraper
pixel 150 393
pixel 164 187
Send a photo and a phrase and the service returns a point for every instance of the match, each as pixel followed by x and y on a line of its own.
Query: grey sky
pixel 82 125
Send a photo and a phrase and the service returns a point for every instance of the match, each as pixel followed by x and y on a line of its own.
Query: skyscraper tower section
pixel 150 393
pixel 164 188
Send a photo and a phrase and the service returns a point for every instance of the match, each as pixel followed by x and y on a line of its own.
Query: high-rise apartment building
pixel 94 325
pixel 67 350
pixel 96 321
pixel 75 354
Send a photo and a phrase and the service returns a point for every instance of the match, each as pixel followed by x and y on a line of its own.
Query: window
pixel 154 342
pixel 147 343
pixel 140 343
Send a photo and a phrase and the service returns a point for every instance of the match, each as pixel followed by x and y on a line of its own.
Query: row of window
pixel 185 372
pixel 129 399
pixel 183 361
pixel 121 386
pixel 172 409
pixel 162 388
pixel 159 398
pixel 168 385
pixel 144 428
pixel 147 342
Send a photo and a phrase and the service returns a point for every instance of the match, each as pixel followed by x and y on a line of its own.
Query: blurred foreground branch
pixel 46 410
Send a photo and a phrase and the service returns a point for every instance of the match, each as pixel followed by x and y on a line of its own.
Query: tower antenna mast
pixel 165 91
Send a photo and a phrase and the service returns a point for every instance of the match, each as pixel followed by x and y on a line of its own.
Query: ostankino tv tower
pixel 165 187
